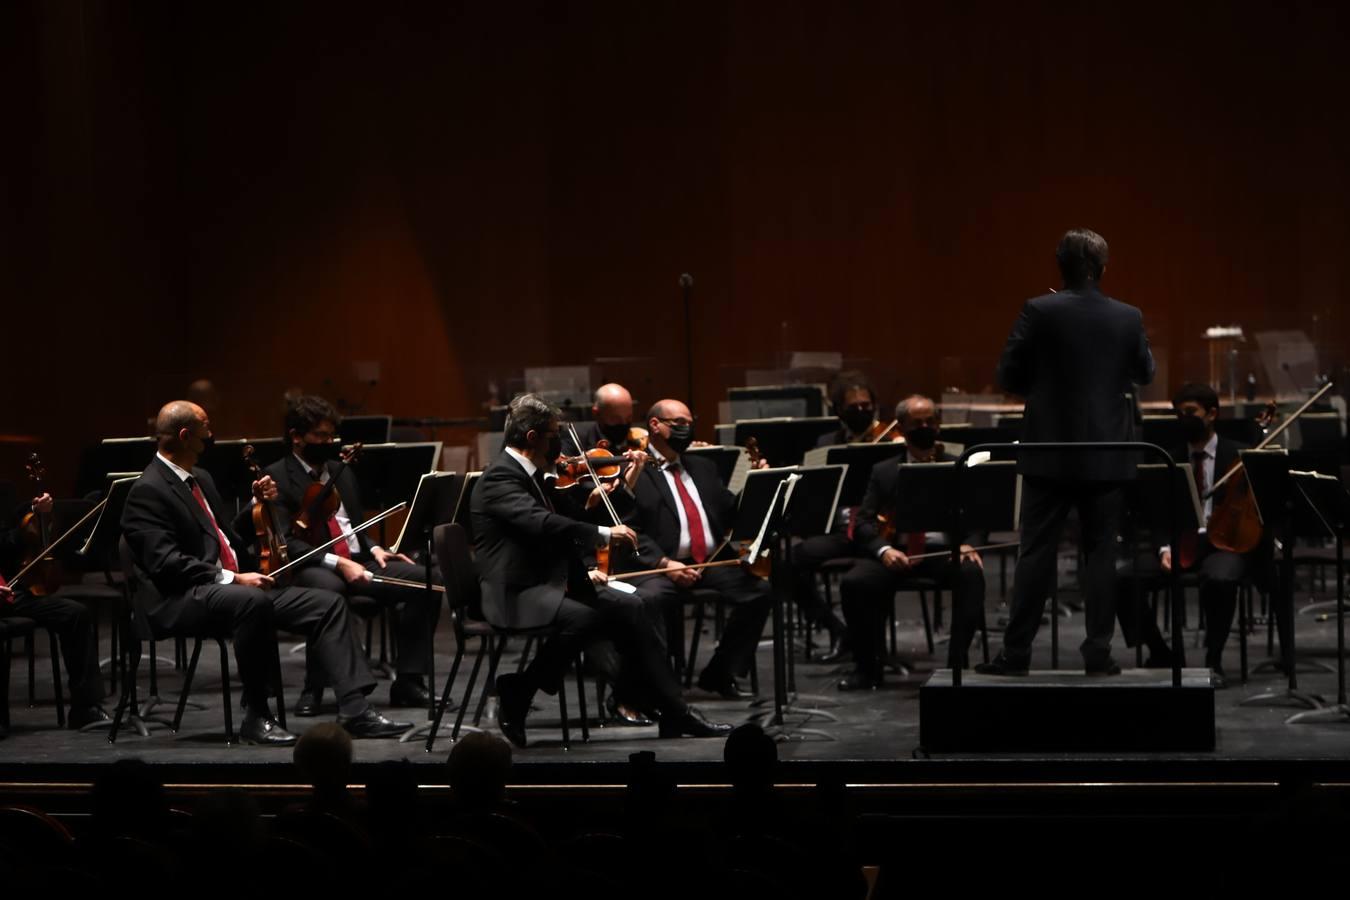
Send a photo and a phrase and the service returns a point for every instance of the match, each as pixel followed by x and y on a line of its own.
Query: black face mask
pixel 1193 428
pixel 921 438
pixel 554 447
pixel 319 454
pixel 681 436
pixel 857 420
pixel 617 435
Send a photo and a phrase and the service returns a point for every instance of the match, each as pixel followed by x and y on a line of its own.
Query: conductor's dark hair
pixel 307 412
pixel 1082 256
pixel 528 412
pixel 848 380
pixel 1195 392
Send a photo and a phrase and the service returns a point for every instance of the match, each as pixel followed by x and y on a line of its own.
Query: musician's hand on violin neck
pixel 352 571
pixel 254 580
pixel 265 488
pixel 624 534
pixel 43 505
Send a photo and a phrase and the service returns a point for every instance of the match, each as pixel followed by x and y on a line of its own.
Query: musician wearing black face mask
pixel 868 588
pixel 311 425
pixel 681 512
pixel 1220 571
pixel 611 413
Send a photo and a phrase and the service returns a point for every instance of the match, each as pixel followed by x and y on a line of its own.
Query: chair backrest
pixel 458 568
pixel 141 591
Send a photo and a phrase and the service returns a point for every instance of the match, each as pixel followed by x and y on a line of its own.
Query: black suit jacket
pixel 880 500
pixel 172 538
pixel 292 482
pixel 528 556
pixel 1076 356
pixel 654 513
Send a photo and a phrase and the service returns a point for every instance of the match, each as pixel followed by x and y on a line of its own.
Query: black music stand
pixel 725 458
pixel 783 442
pixel 433 504
pixel 1268 473
pixel 461 514
pixel 389 474
pixel 814 500
pixel 860 460
pixel 1326 498
pixel 1157 503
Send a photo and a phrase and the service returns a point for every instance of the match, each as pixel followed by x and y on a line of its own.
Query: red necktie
pixel 915 542
pixel 341 548
pixel 698 547
pixel 227 557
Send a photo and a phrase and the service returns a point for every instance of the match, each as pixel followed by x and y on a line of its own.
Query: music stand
pixel 1157 503
pixel 463 503
pixel 727 460
pixel 433 503
pixel 1268 473
pixel 860 460
pixel 1325 498
pixel 783 442
pixel 389 474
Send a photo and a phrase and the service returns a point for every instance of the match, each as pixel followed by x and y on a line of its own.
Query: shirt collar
pixel 309 470
pixel 1211 448
pixel 661 460
pixel 182 473
pixel 525 463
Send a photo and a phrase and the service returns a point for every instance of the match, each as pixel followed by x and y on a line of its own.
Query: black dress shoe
pixel 693 724
pixel 81 716
pixel 513 703
pixel 839 652
pixel 1105 668
pixel 308 704
pixel 407 692
pixel 265 730
pixel 1000 665
pixel 624 715
pixel 857 680
pixel 1218 677
pixel 371 724
pixel 723 686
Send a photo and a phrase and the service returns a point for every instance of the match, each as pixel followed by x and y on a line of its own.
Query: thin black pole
pixel 687 290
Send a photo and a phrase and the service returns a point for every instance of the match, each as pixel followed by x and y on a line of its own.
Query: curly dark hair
pixel 848 380
pixel 304 413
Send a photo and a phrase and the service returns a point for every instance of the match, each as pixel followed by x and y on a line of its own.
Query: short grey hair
pixel 528 412
pixel 903 407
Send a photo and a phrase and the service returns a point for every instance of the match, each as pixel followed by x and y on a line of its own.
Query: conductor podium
pixel 1139 710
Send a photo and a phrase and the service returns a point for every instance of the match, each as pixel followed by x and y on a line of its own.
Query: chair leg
pixel 691 660
pixel 490 683
pixel 468 691
pixel 225 691
pixel 984 633
pixel 1244 606
pixel 32 670
pixel 927 621
pixel 445 695
pixel 562 709
pixel 525 655
pixel 187 686
pixel 154 667
pixel 55 645
pixel 891 626
pixel 127 703
pixel 4 684
pixel 581 702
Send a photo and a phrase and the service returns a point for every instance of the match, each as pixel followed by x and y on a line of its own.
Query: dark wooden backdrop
pixel 278 195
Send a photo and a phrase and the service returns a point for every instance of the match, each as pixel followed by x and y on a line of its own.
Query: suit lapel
pixel 662 485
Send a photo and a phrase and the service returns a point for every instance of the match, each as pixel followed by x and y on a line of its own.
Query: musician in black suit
pixel 531 575
pixel 854 401
pixel 1075 356
pixel 72 621
pixel 868 589
pixel 1220 571
pixel 611 418
pixel 311 426
pixel 681 511
pixel 181 541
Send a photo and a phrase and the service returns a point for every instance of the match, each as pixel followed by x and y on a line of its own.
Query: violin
pixel 636 440
pixel 1235 521
pixel 272 553
pixel 878 433
pixel 604 556
pixel 37 538
pixel 597 463
pixel 321 502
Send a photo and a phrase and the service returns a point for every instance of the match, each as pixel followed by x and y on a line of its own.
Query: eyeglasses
pixel 675 423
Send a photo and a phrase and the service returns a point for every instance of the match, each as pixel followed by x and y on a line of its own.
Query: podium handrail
pixel 1084 447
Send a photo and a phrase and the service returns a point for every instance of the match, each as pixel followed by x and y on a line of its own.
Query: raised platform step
pixel 1062 711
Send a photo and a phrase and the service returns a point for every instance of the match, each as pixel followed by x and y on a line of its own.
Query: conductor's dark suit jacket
pixel 1076 357
pixel 172 538
pixel 529 557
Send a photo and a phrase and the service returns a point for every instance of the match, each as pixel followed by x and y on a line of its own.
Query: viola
pixel 272 553
pixel 321 502
pixel 598 462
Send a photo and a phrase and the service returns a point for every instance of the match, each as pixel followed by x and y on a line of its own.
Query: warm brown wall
pixel 441 188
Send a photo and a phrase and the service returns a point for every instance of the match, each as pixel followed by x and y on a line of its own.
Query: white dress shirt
pixel 682 551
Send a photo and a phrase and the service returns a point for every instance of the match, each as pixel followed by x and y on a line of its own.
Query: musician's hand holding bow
pixel 265 489
pixel 895 560
pixel 6 594
pixel 682 575
pixel 254 580
pixel 968 554
pixel 623 534
pixel 352 571
pixel 597 577
pixel 1165 559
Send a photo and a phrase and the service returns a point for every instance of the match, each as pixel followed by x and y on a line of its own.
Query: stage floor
pixel 869 737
